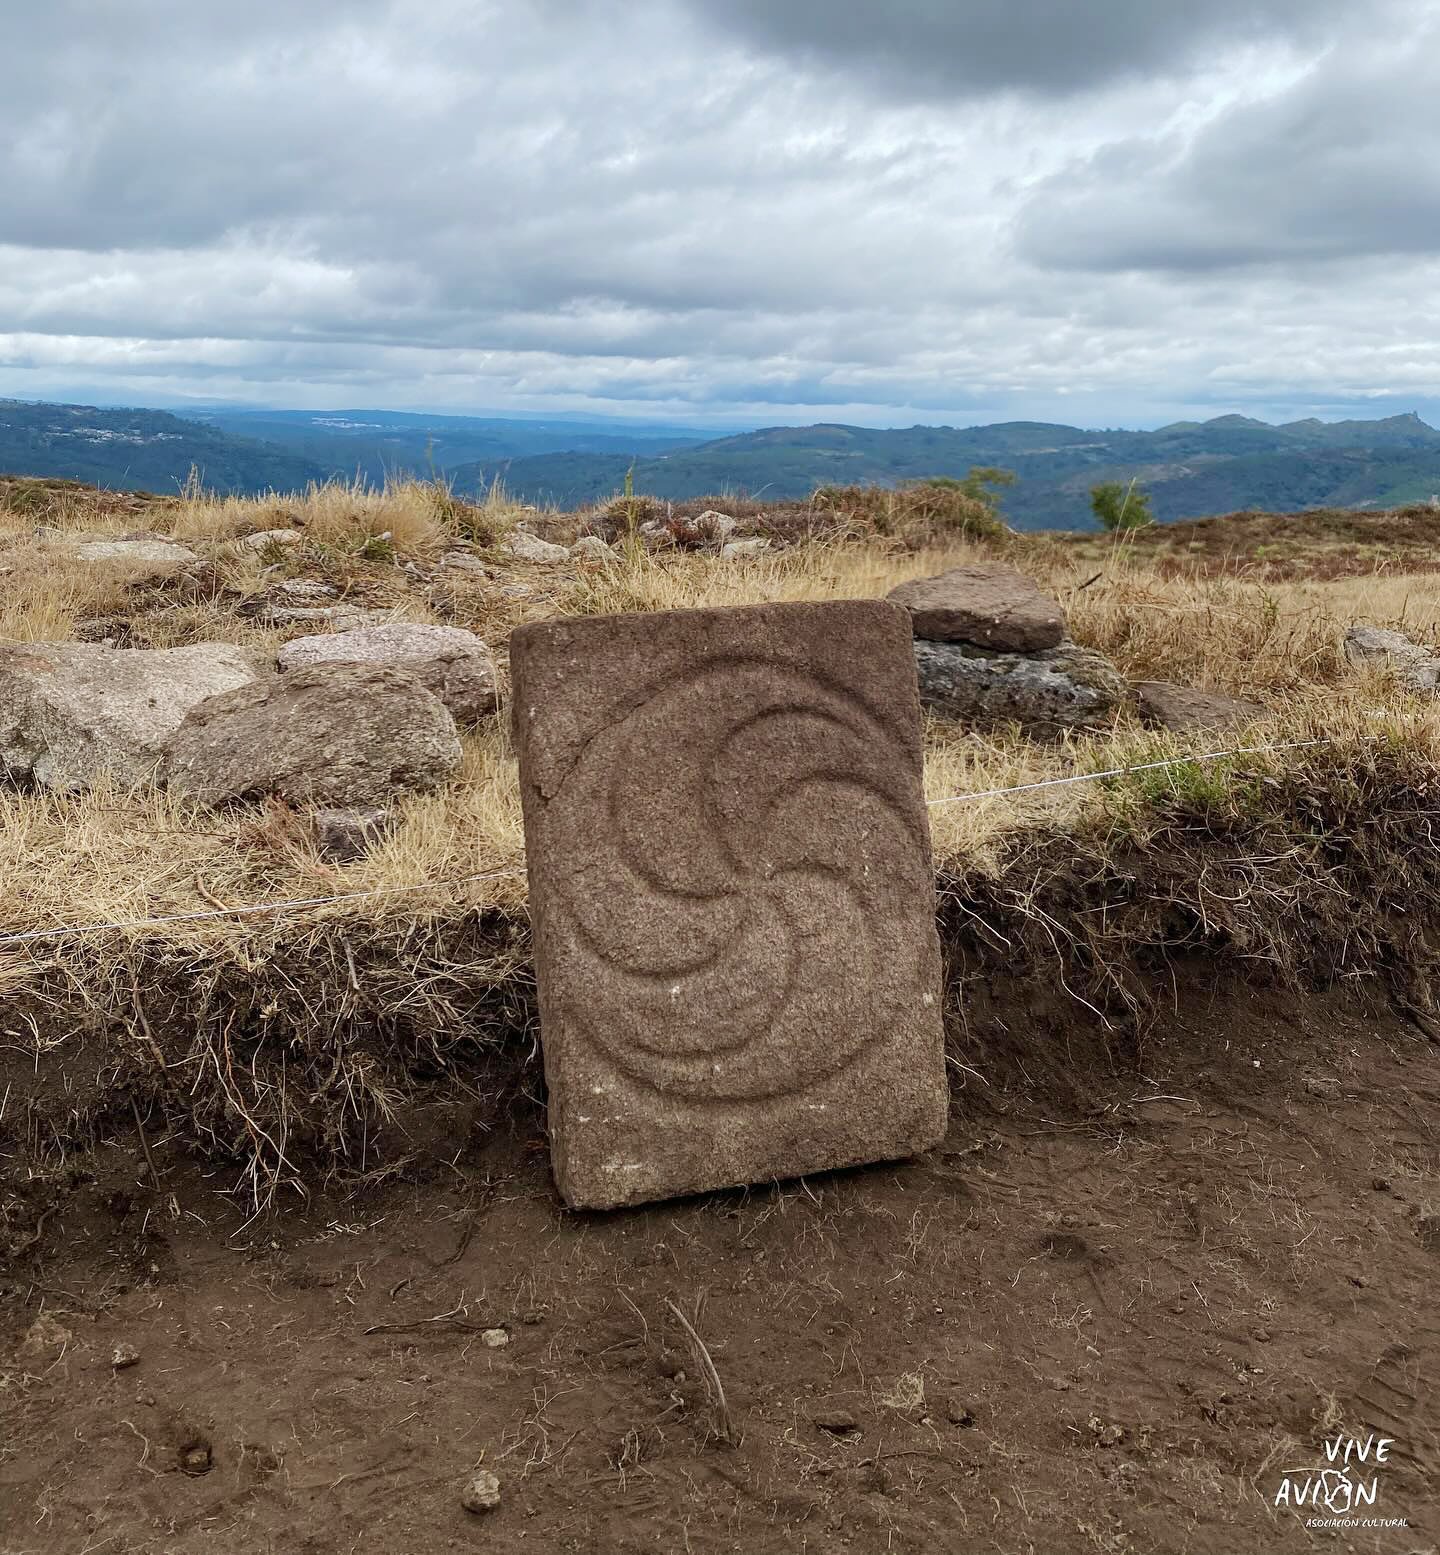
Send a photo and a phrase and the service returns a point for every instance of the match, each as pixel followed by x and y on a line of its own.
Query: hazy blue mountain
pixel 376 444
pixel 1190 468
pixel 141 450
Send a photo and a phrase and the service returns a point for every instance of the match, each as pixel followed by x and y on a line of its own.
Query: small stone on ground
pixel 481 1493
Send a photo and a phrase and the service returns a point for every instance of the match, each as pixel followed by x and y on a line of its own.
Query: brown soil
pixel 1104 1327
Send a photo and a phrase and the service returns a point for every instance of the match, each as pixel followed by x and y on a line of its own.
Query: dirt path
pixel 1110 1333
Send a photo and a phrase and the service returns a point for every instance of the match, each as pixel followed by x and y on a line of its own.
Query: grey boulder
pixel 72 711
pixel 342 736
pixel 989 605
pixel 447 660
pixel 1058 688
pixel 1417 668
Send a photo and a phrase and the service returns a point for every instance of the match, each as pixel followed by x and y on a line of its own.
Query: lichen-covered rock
pixel 526 547
pixel 986 604
pixel 592 548
pixel 70 712
pixel 1416 667
pixel 1164 704
pixel 1062 687
pixel 345 736
pixel 453 663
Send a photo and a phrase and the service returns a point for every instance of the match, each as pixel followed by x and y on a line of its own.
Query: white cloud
pixel 724 210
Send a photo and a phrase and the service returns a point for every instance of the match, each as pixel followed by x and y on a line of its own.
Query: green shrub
pixel 1120 507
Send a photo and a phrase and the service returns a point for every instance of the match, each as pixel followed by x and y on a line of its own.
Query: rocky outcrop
pixel 990 648
pixel 72 711
pixel 1164 704
pixel 343 736
pixel 1063 687
pixel 452 663
pixel 988 605
pixel 1415 667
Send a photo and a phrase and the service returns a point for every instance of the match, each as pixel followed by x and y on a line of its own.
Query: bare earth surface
pixel 1107 1331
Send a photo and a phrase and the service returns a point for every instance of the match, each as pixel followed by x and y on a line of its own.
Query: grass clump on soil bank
pixel 373 1034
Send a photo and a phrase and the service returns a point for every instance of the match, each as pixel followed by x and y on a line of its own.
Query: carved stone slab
pixel 731 894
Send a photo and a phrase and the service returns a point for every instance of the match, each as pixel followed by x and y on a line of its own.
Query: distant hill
pixel 250 452
pixel 141 450
pixel 377 444
pixel 1190 468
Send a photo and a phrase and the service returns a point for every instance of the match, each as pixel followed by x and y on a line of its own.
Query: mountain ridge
pixel 1190 468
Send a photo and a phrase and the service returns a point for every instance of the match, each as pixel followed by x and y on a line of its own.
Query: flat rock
pixel 453 663
pixel 731 893
pixel 463 561
pixel 145 552
pixel 1057 688
pixel 70 712
pixel 277 612
pixel 986 604
pixel 1164 704
pixel 342 736
pixel 302 590
pixel 1416 667
pixel 531 548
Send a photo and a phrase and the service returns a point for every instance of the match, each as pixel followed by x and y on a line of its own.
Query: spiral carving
pixel 747 914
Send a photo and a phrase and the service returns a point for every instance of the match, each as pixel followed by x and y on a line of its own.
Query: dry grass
pixel 304 1032
pixel 113 856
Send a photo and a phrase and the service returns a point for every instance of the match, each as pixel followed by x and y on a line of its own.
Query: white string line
pixel 1144 766
pixel 70 930
pixel 245 911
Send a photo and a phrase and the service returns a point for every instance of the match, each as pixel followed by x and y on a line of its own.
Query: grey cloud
pixel 524 202
pixel 953 48
pixel 1344 163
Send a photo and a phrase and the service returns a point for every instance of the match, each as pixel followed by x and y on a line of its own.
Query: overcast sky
pixel 1098 211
